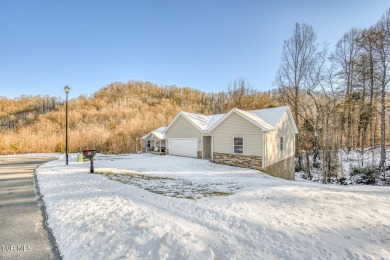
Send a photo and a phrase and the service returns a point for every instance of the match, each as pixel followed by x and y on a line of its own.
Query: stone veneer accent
pixel 166 151
pixel 284 169
pixel 239 160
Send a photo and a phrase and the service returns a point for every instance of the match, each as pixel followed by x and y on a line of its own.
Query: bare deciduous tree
pixel 346 56
pixel 300 54
pixel 382 46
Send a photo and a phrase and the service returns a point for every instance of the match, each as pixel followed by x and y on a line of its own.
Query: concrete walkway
pixel 22 231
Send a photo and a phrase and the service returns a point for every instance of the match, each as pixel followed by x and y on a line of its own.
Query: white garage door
pixel 183 146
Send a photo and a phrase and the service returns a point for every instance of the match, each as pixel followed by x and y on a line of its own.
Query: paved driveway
pixel 22 231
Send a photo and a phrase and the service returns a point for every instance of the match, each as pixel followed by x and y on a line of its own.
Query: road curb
pixel 54 246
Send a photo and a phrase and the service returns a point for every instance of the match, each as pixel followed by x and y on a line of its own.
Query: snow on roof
pixel 257 120
pixel 214 119
pixel 270 115
pixel 159 133
pixel 160 129
pixel 267 119
pixel 201 121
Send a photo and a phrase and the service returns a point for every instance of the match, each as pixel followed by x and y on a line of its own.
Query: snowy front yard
pixel 167 207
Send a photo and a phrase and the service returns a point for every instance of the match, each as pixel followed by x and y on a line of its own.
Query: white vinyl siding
pixel 273 145
pixel 182 128
pixel 236 126
pixel 153 141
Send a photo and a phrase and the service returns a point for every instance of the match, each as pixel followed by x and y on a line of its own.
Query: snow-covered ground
pixel 203 210
pixel 347 163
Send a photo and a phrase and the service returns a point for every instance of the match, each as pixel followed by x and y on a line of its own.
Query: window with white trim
pixel 238 145
pixel 281 143
pixel 148 143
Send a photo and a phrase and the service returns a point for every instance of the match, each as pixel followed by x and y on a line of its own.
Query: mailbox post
pixel 90 154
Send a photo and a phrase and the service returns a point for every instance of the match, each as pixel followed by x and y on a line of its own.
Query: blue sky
pixel 45 45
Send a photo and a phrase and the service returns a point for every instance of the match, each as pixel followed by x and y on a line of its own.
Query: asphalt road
pixel 23 234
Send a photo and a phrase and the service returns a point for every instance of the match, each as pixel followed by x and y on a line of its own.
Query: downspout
pixel 166 144
pixel 264 150
pixel 212 147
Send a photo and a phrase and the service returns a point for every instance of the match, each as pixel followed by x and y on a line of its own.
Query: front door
pixel 207 147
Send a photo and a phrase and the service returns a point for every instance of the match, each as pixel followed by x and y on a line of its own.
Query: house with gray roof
pixel 260 139
pixel 154 141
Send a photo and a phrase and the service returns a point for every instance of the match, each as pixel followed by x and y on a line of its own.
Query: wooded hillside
pixel 112 119
pixel 339 99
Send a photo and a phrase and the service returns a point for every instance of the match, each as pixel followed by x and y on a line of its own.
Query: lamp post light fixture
pixel 66 88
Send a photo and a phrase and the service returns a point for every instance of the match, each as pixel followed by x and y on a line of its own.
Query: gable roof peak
pixel 158 133
pixel 267 119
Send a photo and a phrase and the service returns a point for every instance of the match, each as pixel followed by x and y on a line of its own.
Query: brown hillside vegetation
pixel 114 118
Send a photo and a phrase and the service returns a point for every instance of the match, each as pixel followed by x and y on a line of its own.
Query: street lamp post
pixel 66 88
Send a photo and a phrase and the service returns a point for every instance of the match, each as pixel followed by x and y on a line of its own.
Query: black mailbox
pixel 90 154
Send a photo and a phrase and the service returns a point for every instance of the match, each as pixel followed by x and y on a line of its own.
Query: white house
pixel 188 135
pixel 154 141
pixel 261 139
